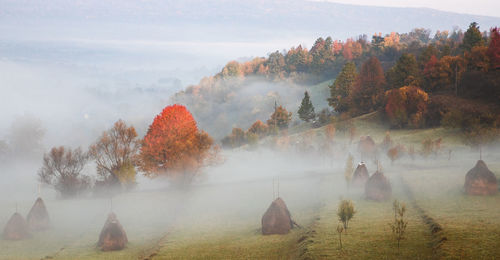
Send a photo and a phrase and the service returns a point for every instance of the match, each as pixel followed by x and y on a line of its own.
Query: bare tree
pixel 62 169
pixel 114 154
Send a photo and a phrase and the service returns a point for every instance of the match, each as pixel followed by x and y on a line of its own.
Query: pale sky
pixel 480 7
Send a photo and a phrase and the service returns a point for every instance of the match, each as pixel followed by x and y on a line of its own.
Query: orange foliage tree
pixel 173 146
pixel 406 106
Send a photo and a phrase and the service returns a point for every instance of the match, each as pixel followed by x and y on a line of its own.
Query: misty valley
pixel 248 130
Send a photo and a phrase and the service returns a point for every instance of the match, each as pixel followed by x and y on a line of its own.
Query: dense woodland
pixel 416 80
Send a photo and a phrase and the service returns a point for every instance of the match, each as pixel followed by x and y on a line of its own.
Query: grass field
pixel 219 218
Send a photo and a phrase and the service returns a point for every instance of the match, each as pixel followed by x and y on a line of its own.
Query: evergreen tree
pixel 404 73
pixel 306 109
pixel 341 88
pixel 472 37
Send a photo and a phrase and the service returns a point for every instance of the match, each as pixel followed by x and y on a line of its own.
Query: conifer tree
pixel 472 37
pixel 341 88
pixel 306 109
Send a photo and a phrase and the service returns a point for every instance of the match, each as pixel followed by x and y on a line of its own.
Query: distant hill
pixel 247 19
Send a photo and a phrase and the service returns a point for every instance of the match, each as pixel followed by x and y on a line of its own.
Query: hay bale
pixel 38 217
pixel 16 228
pixel 378 187
pixel 277 219
pixel 480 180
pixel 360 175
pixel 367 147
pixel 113 236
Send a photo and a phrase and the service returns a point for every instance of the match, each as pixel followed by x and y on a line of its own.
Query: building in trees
pixel 174 147
pixel 114 154
pixel 306 109
pixel 62 169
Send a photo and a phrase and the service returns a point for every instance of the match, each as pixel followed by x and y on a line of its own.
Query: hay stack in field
pixel 38 217
pixel 113 236
pixel 16 228
pixel 378 187
pixel 367 147
pixel 480 180
pixel 360 175
pixel 277 219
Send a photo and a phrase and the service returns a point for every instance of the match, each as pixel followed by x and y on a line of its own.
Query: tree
pixel 280 118
pixel 114 154
pixel 345 212
pixel 472 37
pixel 368 91
pixel 258 128
pixel 340 89
pixel 349 169
pixel 399 225
pixel 406 106
pixel 62 169
pixel 173 146
pixel 340 229
pixel 306 109
pixel 494 49
pixel 25 137
pixel 404 73
pixel 235 139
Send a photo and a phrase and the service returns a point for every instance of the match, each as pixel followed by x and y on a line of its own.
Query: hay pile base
pixel 378 187
pixel 480 180
pixel 277 219
pixel 360 175
pixel 113 236
pixel 38 217
pixel 16 228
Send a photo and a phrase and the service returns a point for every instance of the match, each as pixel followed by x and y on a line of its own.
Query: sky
pixel 478 7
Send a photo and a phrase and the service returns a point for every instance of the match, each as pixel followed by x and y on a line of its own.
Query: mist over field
pixel 204 90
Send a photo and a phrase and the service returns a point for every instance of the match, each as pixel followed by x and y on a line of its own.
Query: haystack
pixel 38 217
pixel 113 236
pixel 277 219
pixel 378 187
pixel 16 228
pixel 480 180
pixel 360 175
pixel 367 147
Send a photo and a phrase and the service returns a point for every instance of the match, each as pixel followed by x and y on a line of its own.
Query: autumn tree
pixel 404 73
pixel 306 109
pixel 62 169
pixel 406 106
pixel 341 88
pixel 494 49
pixel 345 212
pixel 114 154
pixel 236 139
pixel 174 147
pixel 399 225
pixel 472 37
pixel 258 128
pixel 280 118
pixel 368 91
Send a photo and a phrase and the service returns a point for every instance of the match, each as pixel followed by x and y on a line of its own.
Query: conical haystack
pixel 16 228
pixel 378 187
pixel 360 175
pixel 113 236
pixel 277 219
pixel 38 217
pixel 480 180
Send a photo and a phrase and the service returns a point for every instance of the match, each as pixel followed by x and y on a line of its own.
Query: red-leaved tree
pixel 174 147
